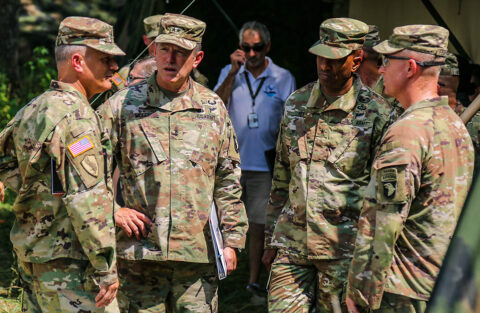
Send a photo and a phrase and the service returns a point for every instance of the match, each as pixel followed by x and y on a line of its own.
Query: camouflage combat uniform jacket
pixel 175 157
pixel 60 128
pixel 419 182
pixel 322 167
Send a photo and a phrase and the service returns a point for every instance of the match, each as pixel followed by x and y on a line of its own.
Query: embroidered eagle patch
pixel 389 182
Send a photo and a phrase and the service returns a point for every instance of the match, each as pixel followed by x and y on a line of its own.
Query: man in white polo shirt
pixel 254 90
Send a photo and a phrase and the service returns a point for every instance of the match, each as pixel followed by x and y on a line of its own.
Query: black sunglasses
pixel 423 64
pixel 256 47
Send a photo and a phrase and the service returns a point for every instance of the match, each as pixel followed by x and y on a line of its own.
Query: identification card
pixel 253 120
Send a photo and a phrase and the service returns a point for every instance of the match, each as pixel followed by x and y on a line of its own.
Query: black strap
pixel 250 88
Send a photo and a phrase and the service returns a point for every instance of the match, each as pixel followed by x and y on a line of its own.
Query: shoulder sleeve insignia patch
pixel 80 146
pixel 389 181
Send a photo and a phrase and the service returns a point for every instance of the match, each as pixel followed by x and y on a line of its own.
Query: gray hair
pixel 258 27
pixel 64 52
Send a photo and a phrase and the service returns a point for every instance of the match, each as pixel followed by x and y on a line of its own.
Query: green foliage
pixel 35 74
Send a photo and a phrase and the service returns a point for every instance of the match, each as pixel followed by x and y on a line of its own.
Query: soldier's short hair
pixel 258 27
pixel 64 52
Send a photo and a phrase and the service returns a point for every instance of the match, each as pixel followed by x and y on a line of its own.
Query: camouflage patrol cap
pixel 87 31
pixel 372 38
pixel 151 25
pixel 181 30
pixel 431 39
pixel 450 68
pixel 339 37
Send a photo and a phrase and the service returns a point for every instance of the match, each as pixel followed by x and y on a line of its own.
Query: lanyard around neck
pixel 250 88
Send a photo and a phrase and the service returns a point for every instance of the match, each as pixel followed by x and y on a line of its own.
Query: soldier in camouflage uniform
pixel 371 61
pixel 152 24
pixel 63 233
pixel 419 181
pixel 176 150
pixel 448 82
pixel 329 130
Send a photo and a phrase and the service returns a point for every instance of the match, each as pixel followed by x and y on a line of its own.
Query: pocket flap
pixel 153 141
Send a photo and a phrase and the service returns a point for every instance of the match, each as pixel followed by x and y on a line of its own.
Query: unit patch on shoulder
pixel 389 181
pixel 80 146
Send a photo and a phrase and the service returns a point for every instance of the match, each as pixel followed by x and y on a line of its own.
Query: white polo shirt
pixel 253 142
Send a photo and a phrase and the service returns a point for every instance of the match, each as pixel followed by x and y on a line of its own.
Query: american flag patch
pixel 80 146
pixel 117 79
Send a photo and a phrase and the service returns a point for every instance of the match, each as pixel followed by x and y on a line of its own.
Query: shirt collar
pixel 155 97
pixel 58 85
pixel 266 73
pixel 433 102
pixel 345 103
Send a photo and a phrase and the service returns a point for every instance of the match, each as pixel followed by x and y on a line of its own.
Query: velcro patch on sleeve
pixel 117 79
pixel 389 181
pixel 80 146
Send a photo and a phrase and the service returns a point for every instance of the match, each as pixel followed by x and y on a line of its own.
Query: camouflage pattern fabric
pixel 175 156
pixel 339 37
pixel 199 77
pixel 324 152
pixel 299 285
pixel 181 30
pixel 473 127
pixel 87 31
pixel 392 303
pixel 321 170
pixel 451 66
pixel 60 128
pixel 372 37
pixel 397 107
pixel 411 205
pixel 431 39
pixel 458 286
pixel 152 25
pixel 160 287
pixel 60 286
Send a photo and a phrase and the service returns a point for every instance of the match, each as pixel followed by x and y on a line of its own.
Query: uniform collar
pixel 65 87
pixel 155 97
pixel 345 103
pixel 433 102
pixel 266 73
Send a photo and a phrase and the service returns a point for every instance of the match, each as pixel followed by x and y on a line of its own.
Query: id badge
pixel 253 120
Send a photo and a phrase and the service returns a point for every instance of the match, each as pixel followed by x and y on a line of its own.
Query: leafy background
pixel 28 29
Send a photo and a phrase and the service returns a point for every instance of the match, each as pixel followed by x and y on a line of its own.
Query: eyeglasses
pixel 131 78
pixel 256 47
pixel 423 64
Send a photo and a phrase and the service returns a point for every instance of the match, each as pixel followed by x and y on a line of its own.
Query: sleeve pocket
pixel 391 177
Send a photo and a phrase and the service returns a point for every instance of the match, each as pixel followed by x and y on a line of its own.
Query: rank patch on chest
pixel 389 182
pixel 80 146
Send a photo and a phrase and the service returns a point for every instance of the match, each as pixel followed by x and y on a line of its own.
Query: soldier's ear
pixel 357 60
pixel 198 58
pixel 77 62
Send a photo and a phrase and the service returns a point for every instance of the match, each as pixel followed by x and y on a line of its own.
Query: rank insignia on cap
pixel 80 146
pixel 389 181
pixel 117 79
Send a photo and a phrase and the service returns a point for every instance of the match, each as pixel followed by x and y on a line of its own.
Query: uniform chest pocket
pixel 352 152
pixel 201 145
pixel 143 146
